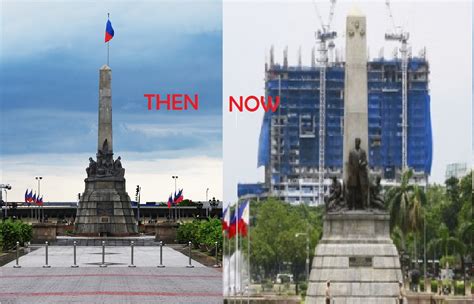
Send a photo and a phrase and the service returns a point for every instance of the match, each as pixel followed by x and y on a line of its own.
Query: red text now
pixel 175 102
pixel 252 103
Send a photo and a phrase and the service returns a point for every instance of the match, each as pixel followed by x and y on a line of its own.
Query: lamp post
pixel 175 177
pixel 5 187
pixel 39 178
pixel 307 252
pixel 137 199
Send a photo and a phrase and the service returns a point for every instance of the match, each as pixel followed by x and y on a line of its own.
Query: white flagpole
pixel 248 257
pixel 236 249
pixel 241 292
pixel 229 287
pixel 108 17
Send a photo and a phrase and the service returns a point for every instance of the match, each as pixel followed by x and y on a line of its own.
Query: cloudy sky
pixel 250 29
pixel 51 52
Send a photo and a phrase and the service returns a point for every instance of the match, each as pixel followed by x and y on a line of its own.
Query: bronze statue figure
pixel 376 195
pixel 92 169
pixel 335 201
pixel 105 146
pixel 118 170
pixel 358 178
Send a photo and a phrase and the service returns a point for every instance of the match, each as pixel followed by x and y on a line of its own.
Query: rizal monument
pixel 356 260
pixel 105 207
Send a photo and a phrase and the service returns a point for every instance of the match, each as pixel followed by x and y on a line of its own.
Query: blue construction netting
pixel 251 189
pixel 300 109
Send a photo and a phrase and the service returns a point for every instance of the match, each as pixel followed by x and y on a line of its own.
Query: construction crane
pixel 324 37
pixel 400 35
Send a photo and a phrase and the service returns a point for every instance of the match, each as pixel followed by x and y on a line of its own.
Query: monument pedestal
pixel 105 208
pixel 358 257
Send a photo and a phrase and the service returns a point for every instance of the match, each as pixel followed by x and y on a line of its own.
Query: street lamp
pixel 137 199
pixel 39 178
pixel 5 187
pixel 307 253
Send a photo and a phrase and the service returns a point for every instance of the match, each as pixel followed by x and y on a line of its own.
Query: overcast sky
pixel 51 52
pixel 250 29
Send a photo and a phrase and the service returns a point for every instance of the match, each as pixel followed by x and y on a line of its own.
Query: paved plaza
pixel 117 283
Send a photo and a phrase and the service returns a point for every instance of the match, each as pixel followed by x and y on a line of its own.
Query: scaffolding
pixel 289 140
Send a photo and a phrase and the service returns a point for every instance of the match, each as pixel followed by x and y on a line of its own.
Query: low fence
pixel 104 245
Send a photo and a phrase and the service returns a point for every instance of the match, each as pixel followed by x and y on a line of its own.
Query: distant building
pixel 457 170
pixel 289 138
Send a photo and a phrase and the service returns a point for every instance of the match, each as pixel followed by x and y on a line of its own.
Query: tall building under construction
pixel 290 137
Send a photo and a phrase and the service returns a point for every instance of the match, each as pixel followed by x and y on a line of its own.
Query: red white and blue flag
pixel 244 219
pixel 170 201
pixel 33 199
pixel 226 219
pixel 39 201
pixel 240 221
pixel 178 197
pixel 109 31
pixel 29 198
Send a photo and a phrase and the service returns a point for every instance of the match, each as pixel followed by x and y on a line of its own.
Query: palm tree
pixel 445 242
pixel 406 203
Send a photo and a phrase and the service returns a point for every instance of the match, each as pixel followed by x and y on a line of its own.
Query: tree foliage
pixel 201 232
pixel 14 231
pixel 446 210
pixel 275 247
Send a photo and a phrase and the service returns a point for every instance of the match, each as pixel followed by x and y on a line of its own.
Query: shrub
pixel 267 285
pixel 458 287
pixel 303 288
pixel 14 231
pixel 434 286
pixel 205 232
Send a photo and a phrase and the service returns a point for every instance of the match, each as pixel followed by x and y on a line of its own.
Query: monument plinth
pixel 356 260
pixel 359 259
pixel 105 207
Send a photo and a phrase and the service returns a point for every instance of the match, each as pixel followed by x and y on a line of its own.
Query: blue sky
pixel 50 56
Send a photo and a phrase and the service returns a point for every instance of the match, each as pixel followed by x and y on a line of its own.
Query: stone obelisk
pixel 105 107
pixel 104 207
pixel 355 262
pixel 355 86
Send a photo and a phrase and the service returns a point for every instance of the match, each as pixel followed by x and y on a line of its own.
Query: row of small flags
pixel 33 198
pixel 236 221
pixel 178 198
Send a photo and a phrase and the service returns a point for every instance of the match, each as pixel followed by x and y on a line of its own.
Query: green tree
pixel 274 247
pixel 406 203
pixel 447 244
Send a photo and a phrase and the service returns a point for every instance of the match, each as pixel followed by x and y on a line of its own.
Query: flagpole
pixel 108 17
pixel 248 257
pixel 236 250
pixel 241 292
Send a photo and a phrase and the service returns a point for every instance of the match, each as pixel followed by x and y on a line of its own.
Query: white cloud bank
pixel 63 175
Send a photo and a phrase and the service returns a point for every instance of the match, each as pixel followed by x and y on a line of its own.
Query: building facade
pixel 289 137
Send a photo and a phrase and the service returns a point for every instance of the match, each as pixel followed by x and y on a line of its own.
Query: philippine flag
pixel 226 219
pixel 178 198
pixel 244 218
pixel 233 225
pixel 33 199
pixel 109 31
pixel 170 201
pixel 26 196
pixel 30 196
pixel 39 201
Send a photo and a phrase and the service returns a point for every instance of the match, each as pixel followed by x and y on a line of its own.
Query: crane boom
pixel 324 36
pixel 400 35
